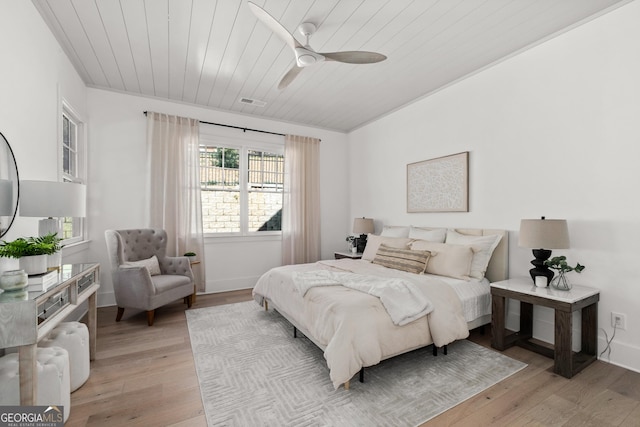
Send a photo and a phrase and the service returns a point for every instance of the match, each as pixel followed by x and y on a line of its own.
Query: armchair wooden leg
pixel 189 300
pixel 150 315
pixel 120 313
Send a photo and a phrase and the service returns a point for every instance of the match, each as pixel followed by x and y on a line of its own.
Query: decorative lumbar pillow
pixel 402 259
pixel 395 231
pixel 150 263
pixel 483 247
pixel 446 259
pixel 373 242
pixel 429 234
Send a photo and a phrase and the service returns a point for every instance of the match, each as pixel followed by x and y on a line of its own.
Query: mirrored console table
pixel 27 317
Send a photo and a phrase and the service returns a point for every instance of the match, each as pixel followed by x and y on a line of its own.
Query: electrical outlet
pixel 618 320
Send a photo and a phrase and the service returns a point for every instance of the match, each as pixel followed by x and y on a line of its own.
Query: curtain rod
pixel 237 127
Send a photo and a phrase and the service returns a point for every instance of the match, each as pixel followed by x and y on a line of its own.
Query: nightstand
pixel 566 362
pixel 352 255
pixel 195 287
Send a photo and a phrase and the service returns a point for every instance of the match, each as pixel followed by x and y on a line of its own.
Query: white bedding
pixel 353 327
pixel 475 296
pixel 403 301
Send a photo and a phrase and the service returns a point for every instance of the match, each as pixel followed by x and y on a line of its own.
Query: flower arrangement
pixel 352 241
pixel 559 263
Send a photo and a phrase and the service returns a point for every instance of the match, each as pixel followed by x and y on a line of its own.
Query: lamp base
pixel 48 226
pixel 362 243
pixel 541 255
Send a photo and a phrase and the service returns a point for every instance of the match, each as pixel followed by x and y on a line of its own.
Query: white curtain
pixel 301 204
pixel 174 185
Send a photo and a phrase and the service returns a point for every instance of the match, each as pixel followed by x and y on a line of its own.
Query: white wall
pixel 34 77
pixel 117 181
pixel 552 131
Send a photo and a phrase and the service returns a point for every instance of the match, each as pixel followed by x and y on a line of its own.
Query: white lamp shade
pixel 52 199
pixel 6 197
pixel 362 225
pixel 544 234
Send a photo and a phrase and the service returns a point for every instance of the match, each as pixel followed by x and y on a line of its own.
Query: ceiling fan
pixel 305 55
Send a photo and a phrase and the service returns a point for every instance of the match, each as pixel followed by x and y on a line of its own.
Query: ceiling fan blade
pixel 274 25
pixel 288 78
pixel 354 57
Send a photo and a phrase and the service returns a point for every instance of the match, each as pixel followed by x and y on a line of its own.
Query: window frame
pixel 244 144
pixel 80 163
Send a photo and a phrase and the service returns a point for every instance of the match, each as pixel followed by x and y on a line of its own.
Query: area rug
pixel 252 372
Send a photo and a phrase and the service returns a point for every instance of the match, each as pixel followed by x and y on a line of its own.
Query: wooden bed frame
pixel 497 270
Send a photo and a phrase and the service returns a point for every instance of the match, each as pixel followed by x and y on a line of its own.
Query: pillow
pixel 395 231
pixel 483 246
pixel 151 264
pixel 373 242
pixel 446 259
pixel 429 234
pixel 402 259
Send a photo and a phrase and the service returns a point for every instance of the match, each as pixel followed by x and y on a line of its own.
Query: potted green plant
pixel 191 256
pixel 31 253
pixel 54 258
pixel 559 263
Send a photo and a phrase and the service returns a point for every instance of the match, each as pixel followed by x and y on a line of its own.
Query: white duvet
pixel 402 299
pixel 353 327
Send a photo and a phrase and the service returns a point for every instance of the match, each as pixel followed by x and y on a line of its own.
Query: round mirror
pixel 9 186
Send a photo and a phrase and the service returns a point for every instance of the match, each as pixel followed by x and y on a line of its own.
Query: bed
pixel 342 308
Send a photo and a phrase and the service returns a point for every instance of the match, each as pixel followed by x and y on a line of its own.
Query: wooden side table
pixel 352 255
pixel 195 286
pixel 566 362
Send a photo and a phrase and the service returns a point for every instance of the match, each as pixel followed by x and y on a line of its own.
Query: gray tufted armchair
pixel 146 287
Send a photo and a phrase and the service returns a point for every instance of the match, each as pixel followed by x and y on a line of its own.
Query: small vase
pixel 14 296
pixel 560 282
pixel 13 280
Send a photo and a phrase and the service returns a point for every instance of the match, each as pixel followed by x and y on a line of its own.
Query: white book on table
pixel 42 282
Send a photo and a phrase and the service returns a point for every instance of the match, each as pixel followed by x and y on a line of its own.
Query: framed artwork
pixel 439 185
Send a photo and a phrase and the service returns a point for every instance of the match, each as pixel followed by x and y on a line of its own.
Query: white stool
pixel 73 337
pixel 52 367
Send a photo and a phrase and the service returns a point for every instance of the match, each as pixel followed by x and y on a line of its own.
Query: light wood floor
pixel 145 376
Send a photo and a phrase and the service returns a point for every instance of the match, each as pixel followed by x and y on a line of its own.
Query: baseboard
pixel 622 354
pixel 226 285
pixel 108 299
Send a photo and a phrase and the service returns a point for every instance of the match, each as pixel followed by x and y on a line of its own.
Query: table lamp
pixel 362 226
pixel 52 200
pixel 542 235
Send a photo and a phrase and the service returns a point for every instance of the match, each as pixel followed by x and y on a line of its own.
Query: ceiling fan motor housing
pixel 306 57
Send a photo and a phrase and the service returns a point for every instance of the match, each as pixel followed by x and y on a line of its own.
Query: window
pixel 72 169
pixel 242 187
pixel 69 146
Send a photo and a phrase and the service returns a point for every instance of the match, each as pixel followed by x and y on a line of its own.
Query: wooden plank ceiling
pixel 213 53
